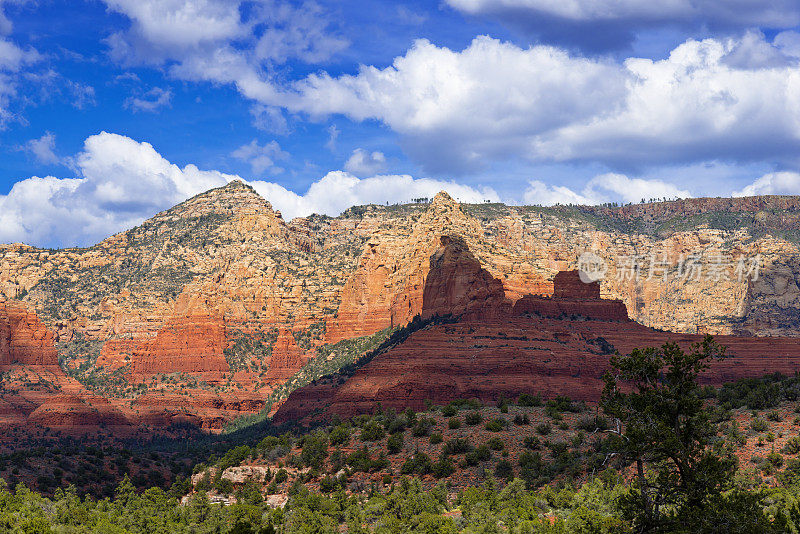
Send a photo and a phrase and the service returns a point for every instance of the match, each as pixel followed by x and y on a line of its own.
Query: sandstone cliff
pixel 221 298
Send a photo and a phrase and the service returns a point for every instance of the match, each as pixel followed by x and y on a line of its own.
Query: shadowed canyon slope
pixel 201 312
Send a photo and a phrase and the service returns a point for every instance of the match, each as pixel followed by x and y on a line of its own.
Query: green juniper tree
pixel 663 425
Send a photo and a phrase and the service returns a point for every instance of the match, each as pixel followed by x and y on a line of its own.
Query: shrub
pixel 792 446
pixel 339 435
pixel 436 438
pixel 395 443
pixel 774 416
pixel 456 446
pixel 422 427
pixel 419 464
pixel 759 425
pixel 397 425
pixel 328 484
pixel 496 444
pixel 504 470
pixel 592 423
pixel 775 459
pixel 529 400
pixel 281 476
pixel 543 428
pixel 496 425
pixel 449 410
pixel 481 454
pixel 522 419
pixel 315 449
pixel 473 418
pixel 531 442
pixel 454 423
pixel 372 432
pixel 444 467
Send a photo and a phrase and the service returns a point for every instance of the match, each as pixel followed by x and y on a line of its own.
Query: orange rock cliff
pixel 202 311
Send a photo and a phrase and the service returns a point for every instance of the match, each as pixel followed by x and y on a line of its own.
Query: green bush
pixel 504 470
pixel 281 476
pixel 422 427
pixel 419 464
pixel 444 467
pixel 340 435
pixel 456 446
pixel 395 443
pixel 372 432
pixel 529 400
pixel 454 423
pixel 496 425
pixel 531 442
pixel 522 419
pixel 759 425
pixel 473 418
pixel 543 428
pixel 436 438
pixel 495 444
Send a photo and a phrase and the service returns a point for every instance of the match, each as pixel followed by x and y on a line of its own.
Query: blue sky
pixel 113 110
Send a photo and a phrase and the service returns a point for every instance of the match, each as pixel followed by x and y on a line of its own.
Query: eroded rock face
pixel 515 353
pixel 456 283
pixel 221 285
pixel 193 344
pixel 24 340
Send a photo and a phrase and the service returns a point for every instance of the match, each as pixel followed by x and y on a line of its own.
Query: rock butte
pixel 544 346
pixel 200 312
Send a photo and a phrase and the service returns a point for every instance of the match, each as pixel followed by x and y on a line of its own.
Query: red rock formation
pixel 572 298
pixel 24 340
pixel 457 284
pixel 568 285
pixel 508 354
pixel 192 344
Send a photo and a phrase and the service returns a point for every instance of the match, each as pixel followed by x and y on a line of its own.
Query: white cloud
pixel 775 183
pixel 150 101
pixel 462 108
pixel 121 182
pixel 261 157
pixel 542 194
pixel 494 100
pixel 12 60
pixel 224 41
pixel 749 13
pixel 362 162
pixel 609 187
pixel 339 190
pixel 43 149
pixel 736 13
pixel 161 29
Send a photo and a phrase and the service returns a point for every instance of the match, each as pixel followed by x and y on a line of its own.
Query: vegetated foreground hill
pixel 216 307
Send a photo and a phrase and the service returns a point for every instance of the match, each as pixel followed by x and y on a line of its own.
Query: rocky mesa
pixel 215 307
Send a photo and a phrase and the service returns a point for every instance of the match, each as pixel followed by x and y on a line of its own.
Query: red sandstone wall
pixel 24 340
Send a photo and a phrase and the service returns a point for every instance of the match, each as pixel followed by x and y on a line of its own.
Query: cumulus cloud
pixel 362 162
pixel 150 101
pixel 459 109
pixel 43 149
pixel 609 187
pixel 121 182
pixel 261 157
pixel 775 183
pixel 338 190
pixel 605 24
pixel 223 41
pixel 494 100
